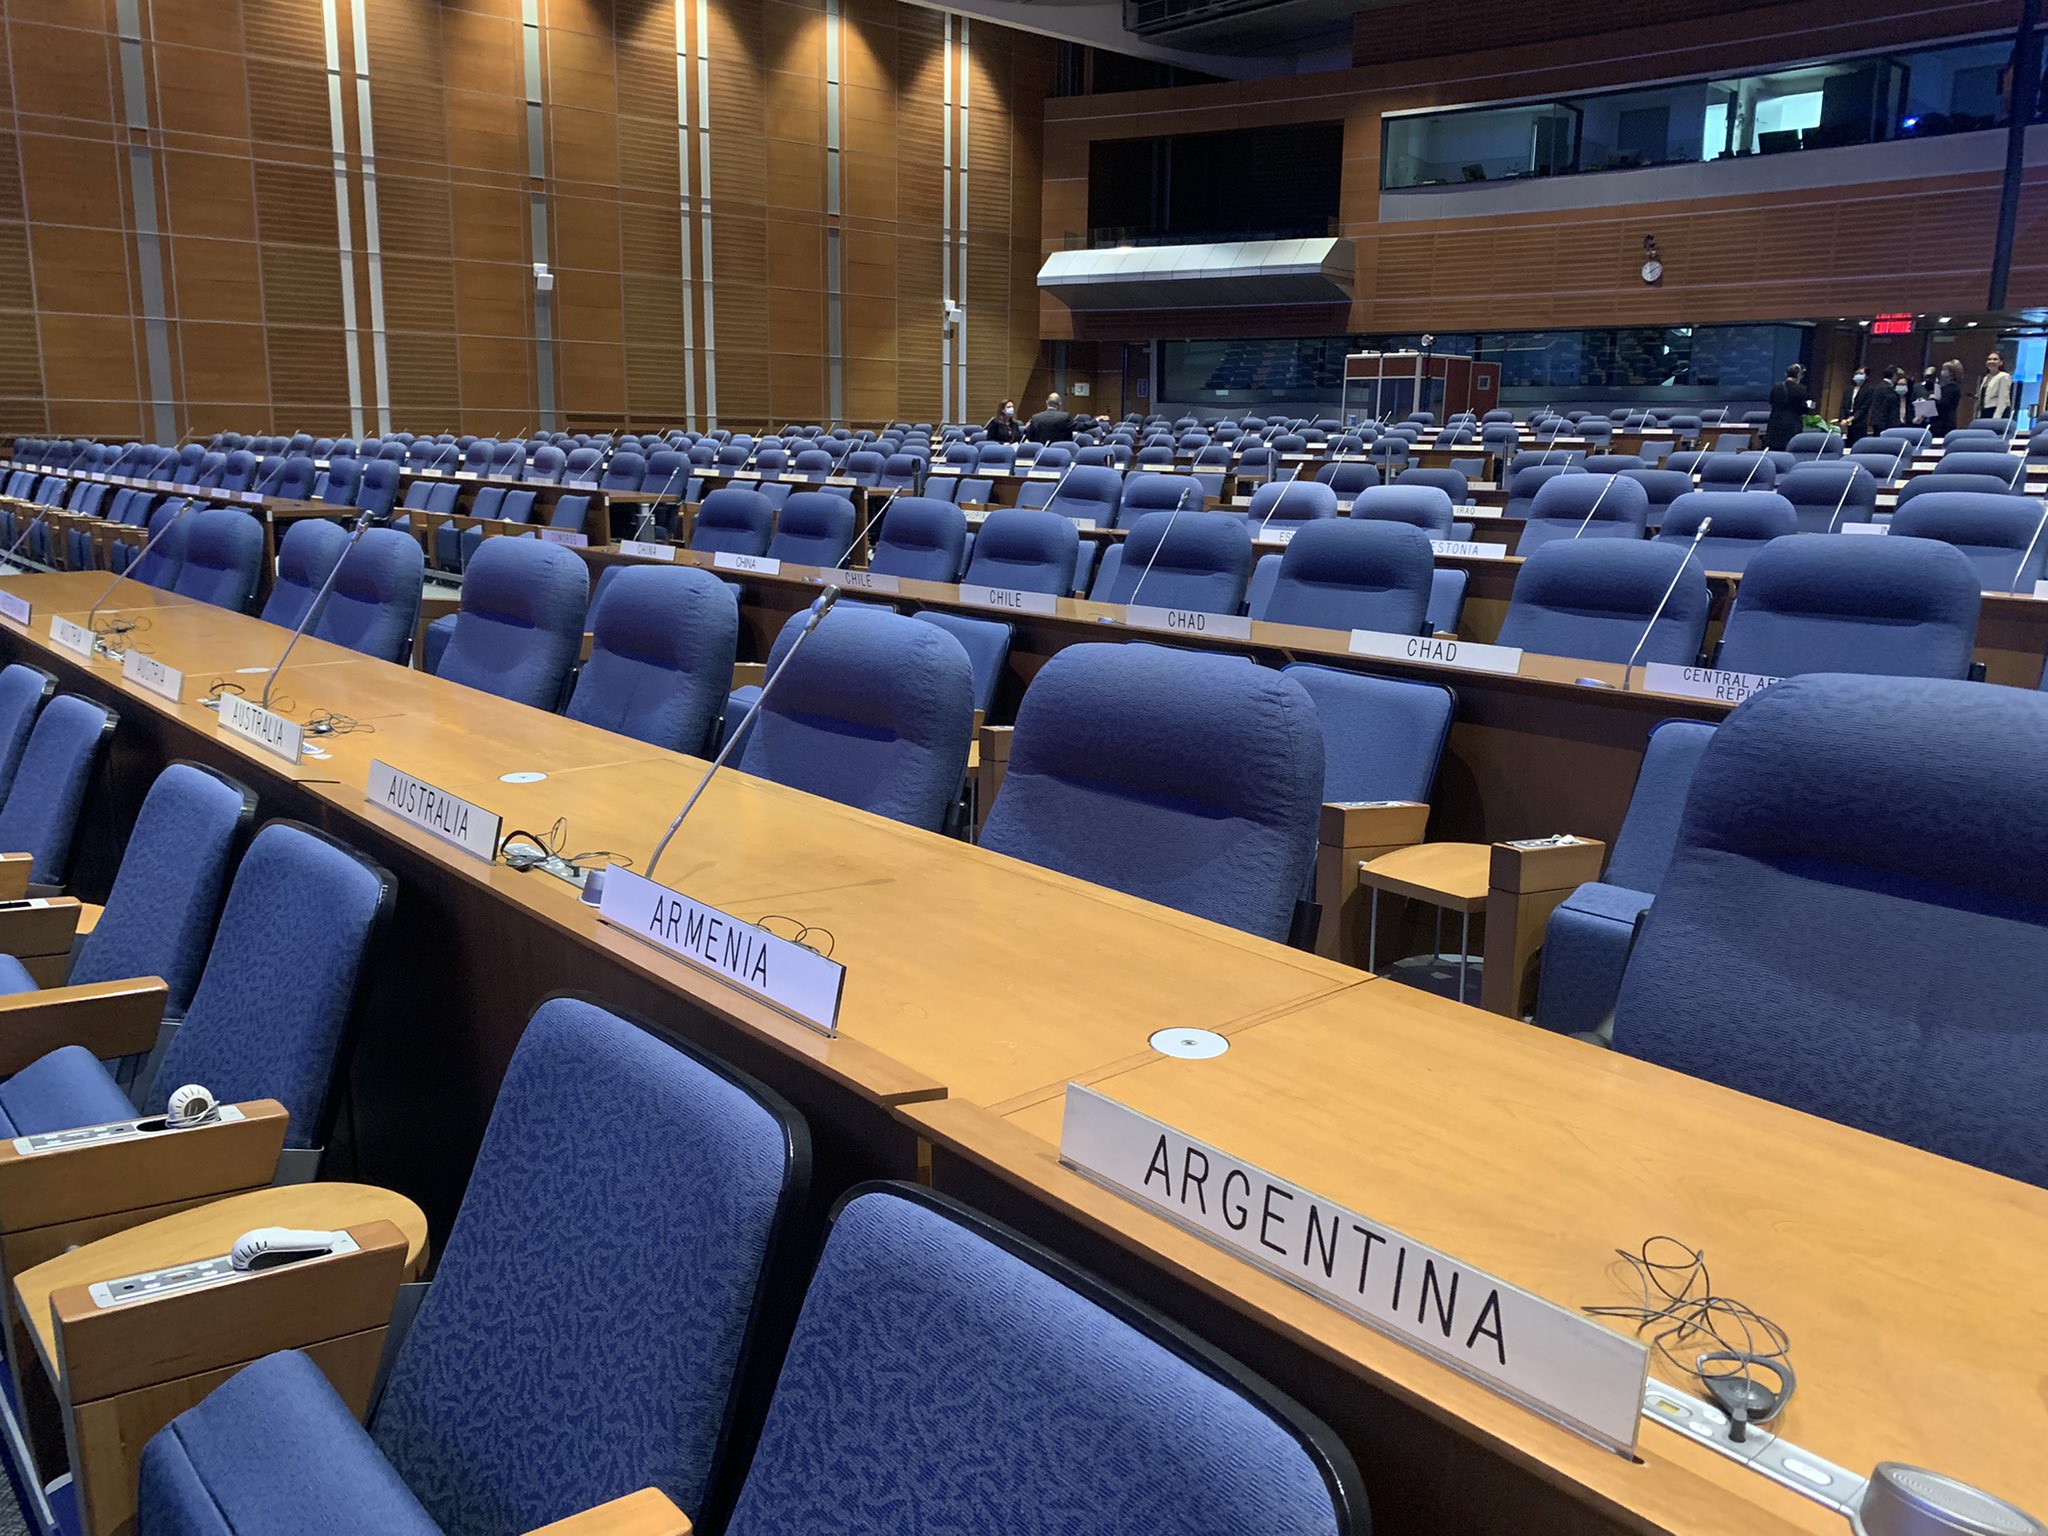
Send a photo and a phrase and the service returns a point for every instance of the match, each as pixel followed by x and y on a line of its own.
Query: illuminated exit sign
pixel 1892 325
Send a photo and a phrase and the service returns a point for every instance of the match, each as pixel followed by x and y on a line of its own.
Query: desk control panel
pixel 1778 1459
pixel 117 1130
pixel 199 1273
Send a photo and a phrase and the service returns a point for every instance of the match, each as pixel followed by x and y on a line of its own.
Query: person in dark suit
pixel 1789 405
pixel 1888 403
pixel 1051 425
pixel 1948 398
pixel 1855 406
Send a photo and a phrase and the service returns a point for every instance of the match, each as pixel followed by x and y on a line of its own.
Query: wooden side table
pixel 1452 877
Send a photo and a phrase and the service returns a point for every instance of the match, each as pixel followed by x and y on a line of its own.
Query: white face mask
pixel 1860 378
pixel 1902 389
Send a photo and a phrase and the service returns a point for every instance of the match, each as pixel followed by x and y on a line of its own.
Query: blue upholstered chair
pixel 304 561
pixel 1025 552
pixel 1157 493
pixel 374 605
pixel 1820 602
pixel 1815 445
pixel 987 644
pixel 1939 485
pixel 223 558
pixel 1196 561
pixel 1427 507
pixel 377 488
pixel 814 528
pixel 662 648
pixel 1825 495
pixel 23 690
pixel 293 479
pixel 1738 472
pixel 1744 522
pixel 2008 467
pixel 1168 1438
pixel 515 1400
pixel 1181 777
pixel 40 814
pixel 733 521
pixel 1451 482
pixel 1089 495
pixel 159 916
pixel 1584 506
pixel 520 627
pixel 1593 600
pixel 272 1012
pixel 1347 480
pixel 1587 942
pixel 1662 487
pixel 1286 505
pixel 1382 738
pixel 921 539
pixel 2002 536
pixel 339 490
pixel 1525 480
pixel 875 711
pixel 1860 859
pixel 1346 574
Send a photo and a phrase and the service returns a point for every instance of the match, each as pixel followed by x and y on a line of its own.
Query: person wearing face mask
pixel 1948 397
pixel 1855 406
pixel 1789 405
pixel 1002 427
pixel 1888 403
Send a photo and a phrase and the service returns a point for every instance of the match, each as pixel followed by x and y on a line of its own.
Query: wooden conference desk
pixel 1909 1284
pixel 977 987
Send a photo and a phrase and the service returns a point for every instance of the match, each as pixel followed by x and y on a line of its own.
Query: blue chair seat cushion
pixel 57 1092
pixel 273 1451
pixel 14 978
pixel 1585 950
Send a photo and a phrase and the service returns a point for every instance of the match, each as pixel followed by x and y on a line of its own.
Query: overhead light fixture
pixel 1946 318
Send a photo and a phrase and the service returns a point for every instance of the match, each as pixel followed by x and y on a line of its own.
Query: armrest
pixel 991 764
pixel 1525 884
pixel 14 873
pixel 98 1179
pixel 1350 833
pixel 646 1513
pixel 108 1018
pixel 103 1351
pixel 44 926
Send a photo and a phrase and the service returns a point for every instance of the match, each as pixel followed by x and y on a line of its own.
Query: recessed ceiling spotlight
pixel 1946 318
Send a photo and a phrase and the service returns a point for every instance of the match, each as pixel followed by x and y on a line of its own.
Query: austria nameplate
pixel 1568 1368
pixel 798 981
pixel 449 817
pixel 148 672
pixel 75 638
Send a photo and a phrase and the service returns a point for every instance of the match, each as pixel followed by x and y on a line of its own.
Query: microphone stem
pixel 270 682
pixel 1658 612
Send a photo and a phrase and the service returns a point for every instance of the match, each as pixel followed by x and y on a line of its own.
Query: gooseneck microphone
pixel 152 542
pixel 1657 613
pixel 818 610
pixel 312 608
pixel 1596 504
pixel 1285 486
pixel 1165 533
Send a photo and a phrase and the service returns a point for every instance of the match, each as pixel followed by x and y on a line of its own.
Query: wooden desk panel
pixel 1535 1157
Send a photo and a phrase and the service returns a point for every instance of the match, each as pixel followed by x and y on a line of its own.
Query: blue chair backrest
pixel 626 471
pixel 995 456
pixel 158 920
pixel 493 1369
pixel 304 560
pixel 1382 738
pixel 547 465
pixel 377 487
pixel 1348 479
pixel 2008 467
pixel 1089 494
pixel 508 460
pixel 735 521
pixel 1585 506
pixel 271 1014
pixel 1839 602
pixel 520 627
pixel 1593 598
pixel 814 528
pixel 1662 487
pixel 374 605
pixel 1157 493
pixel 1744 521
pixel 1348 574
pixel 921 539
pixel 1289 504
pixel 1973 441
pixel 1451 482
pixel 987 644
pixel 223 558
pixel 1816 445
pixel 875 711
pixel 293 479
pixel 2002 536
pixel 1182 777
pixel 1738 472
pixel 40 813
pixel 662 646
pixel 667 472
pixel 1173 1439
pixel 340 490
pixel 163 553
pixel 580 467
pixel 1649 832
pixel 22 691
pixel 1190 561
pixel 1024 551
pixel 1844 836
pixel 1420 506
pixel 1824 496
